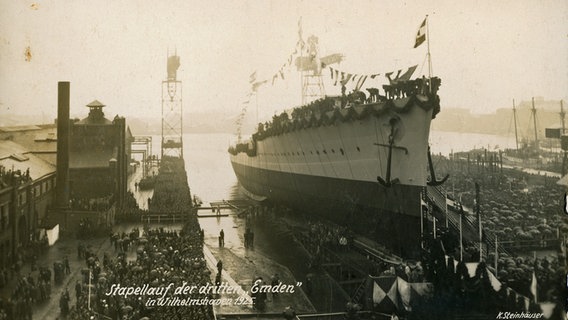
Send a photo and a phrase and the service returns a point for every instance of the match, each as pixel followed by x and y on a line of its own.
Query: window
pixel 22 198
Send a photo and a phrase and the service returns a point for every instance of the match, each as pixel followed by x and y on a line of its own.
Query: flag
pixel 360 82
pixel 406 76
pixel 345 78
pixel 391 80
pixel 252 77
pixel 534 287
pixel 421 34
pixel 256 85
pixel 336 77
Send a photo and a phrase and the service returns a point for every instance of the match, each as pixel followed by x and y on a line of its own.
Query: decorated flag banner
pixel 421 34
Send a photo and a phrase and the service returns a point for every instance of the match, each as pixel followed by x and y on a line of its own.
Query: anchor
pixel 389 183
pixel 433 181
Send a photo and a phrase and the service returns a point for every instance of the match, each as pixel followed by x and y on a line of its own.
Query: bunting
pixel 252 77
pixel 385 294
pixel 359 79
pixel 360 82
pixel 471 268
pixel 280 73
pixel 392 294
pixel 344 77
pixel 401 76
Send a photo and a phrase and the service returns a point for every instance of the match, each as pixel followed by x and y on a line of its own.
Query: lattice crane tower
pixel 312 85
pixel 172 115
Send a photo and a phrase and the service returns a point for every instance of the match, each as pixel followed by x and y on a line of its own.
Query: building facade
pixel 27 193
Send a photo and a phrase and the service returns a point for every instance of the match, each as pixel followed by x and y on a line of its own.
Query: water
pixel 445 142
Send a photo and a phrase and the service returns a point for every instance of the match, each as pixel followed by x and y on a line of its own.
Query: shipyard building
pixel 53 179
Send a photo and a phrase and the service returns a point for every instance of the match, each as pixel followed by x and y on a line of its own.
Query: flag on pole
pixel 534 287
pixel 421 34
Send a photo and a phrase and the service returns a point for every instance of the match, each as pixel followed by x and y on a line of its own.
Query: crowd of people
pixel 514 205
pixel 26 294
pixel 171 191
pixel 321 234
pixel 162 257
pixel 524 212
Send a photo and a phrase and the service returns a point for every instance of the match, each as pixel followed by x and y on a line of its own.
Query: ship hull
pixel 335 170
pixel 366 207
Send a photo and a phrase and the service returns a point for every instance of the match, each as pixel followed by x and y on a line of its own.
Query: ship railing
pixel 470 225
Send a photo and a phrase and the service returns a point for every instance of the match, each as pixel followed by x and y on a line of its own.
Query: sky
pixel 486 52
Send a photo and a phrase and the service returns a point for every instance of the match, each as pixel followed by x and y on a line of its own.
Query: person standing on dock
pixel 221 239
pixel 247 238
pixel 219 267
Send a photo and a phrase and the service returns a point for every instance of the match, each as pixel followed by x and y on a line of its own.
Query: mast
pixel 515 120
pixel 562 116
pixel 428 54
pixel 533 110
pixel 478 212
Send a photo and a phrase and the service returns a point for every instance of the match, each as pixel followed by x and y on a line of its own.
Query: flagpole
pixel 433 223
pixel 461 235
pixel 428 45
pixel 496 255
pixel 421 221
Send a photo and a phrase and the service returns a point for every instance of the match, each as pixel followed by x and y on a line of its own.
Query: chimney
pixel 62 191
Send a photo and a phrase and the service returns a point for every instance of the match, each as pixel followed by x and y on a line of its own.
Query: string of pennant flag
pixel 343 78
pixel 299 49
pixel 338 76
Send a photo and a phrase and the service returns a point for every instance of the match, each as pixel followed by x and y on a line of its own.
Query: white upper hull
pixel 349 150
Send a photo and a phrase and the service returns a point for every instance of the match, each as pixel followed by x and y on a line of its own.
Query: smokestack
pixel 62 191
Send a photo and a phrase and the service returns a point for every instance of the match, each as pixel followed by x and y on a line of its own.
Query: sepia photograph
pixel 293 160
